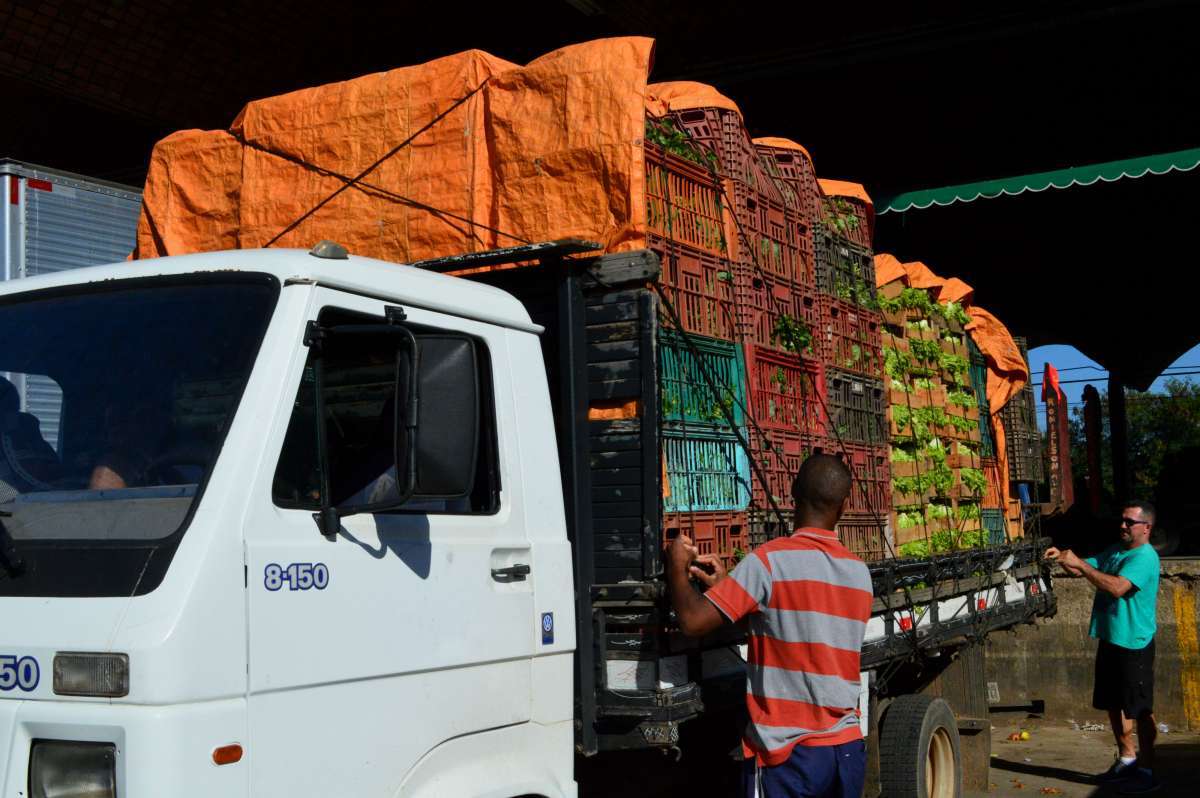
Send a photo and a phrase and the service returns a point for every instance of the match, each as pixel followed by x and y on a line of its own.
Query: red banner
pixel 1058 441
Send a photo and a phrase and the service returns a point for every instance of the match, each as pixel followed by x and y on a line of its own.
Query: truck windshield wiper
pixel 10 558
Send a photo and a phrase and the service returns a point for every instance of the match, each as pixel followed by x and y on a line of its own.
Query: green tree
pixel 1160 425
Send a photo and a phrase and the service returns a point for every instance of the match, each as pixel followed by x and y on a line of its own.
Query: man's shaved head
pixel 822 484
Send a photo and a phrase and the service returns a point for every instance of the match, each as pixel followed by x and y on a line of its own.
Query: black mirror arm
pixel 327 518
pixel 404 446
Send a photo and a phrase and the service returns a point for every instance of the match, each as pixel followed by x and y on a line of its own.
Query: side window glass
pixel 359 430
pixel 30 429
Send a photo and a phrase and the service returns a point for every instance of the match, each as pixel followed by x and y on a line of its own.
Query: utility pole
pixel 1118 424
pixel 1094 435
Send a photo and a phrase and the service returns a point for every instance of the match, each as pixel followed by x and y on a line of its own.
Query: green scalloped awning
pixel 1182 161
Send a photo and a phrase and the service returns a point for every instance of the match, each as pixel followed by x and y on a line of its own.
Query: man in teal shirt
pixel 1126 579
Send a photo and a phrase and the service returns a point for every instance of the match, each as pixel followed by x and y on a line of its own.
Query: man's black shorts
pixel 1124 679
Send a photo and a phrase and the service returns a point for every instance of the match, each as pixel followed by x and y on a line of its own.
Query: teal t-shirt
pixel 1127 621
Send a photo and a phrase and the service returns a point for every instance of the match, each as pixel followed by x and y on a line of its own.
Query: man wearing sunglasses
pixel 1125 576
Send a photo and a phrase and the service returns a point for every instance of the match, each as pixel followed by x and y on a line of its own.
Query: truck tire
pixel 918 749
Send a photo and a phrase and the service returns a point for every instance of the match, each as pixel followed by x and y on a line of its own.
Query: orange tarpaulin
pixel 680 95
pixel 855 191
pixel 887 269
pixel 955 290
pixel 844 188
pixel 782 144
pixel 1007 372
pixel 549 150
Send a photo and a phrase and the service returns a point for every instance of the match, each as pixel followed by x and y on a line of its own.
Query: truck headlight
pixel 100 675
pixel 72 770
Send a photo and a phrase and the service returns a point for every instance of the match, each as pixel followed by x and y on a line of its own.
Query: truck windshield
pixel 114 401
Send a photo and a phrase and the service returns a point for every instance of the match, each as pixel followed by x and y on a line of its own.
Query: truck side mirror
pixel 432 414
pixel 447 417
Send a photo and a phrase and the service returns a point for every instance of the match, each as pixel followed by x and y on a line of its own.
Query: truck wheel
pixel 918 749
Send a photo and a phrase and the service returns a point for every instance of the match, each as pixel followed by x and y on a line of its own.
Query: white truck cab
pixel 205 592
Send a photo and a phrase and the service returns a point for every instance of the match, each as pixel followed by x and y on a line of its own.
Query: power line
pixel 1075 382
pixel 1147 398
pixel 1074 368
pixel 1167 372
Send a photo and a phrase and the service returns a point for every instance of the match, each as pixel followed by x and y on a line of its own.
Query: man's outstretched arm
pixel 1115 586
pixel 697 615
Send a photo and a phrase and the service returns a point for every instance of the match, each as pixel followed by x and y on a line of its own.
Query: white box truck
pixel 320 525
pixel 53 221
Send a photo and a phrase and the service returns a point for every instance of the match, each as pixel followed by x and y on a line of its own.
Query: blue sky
pixel 1068 357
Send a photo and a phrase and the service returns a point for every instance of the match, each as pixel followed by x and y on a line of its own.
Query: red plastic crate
pixel 772 237
pixel 683 203
pixel 778 455
pixel 699 285
pixel 850 337
pixel 870 466
pixel 722 132
pixel 712 533
pixel 858 233
pixel 766 526
pixel 762 299
pixel 785 390
pixel 795 170
pixel 866 535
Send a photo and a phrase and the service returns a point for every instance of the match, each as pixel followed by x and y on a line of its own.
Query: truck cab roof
pixel 367 276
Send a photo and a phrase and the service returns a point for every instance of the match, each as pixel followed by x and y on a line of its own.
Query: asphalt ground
pixel 1057 760
pixel 1062 760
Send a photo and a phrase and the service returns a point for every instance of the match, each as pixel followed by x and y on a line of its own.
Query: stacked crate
pixel 993 516
pixel 736 224
pixel 769 194
pixel 846 329
pixel 701 367
pixel 1023 442
pixel 850 336
pixel 938 480
pixel 1023 449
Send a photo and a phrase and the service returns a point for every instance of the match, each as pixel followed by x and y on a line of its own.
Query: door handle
pixel 513 573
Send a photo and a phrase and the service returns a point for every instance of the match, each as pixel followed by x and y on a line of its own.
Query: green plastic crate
pixel 706 470
pixel 995 525
pixel 978 371
pixel 686 396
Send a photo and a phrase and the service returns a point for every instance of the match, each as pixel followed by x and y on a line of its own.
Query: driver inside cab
pixel 133 438
pixel 27 462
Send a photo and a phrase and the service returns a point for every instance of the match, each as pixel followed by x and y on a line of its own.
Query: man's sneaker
pixel 1118 772
pixel 1140 782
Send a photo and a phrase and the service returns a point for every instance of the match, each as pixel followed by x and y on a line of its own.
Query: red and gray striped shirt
pixel 809 600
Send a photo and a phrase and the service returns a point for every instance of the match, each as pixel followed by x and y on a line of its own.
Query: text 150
pixel 19 672
pixel 297 576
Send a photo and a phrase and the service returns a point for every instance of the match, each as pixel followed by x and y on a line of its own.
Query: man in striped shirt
pixel 808 600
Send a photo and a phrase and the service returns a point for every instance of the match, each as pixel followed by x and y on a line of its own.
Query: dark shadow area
pixel 1042 771
pixel 708 763
pixel 1035 708
pixel 1175 771
pixel 405 536
pixel 1093 82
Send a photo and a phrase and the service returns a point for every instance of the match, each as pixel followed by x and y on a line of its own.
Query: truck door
pixel 409 628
